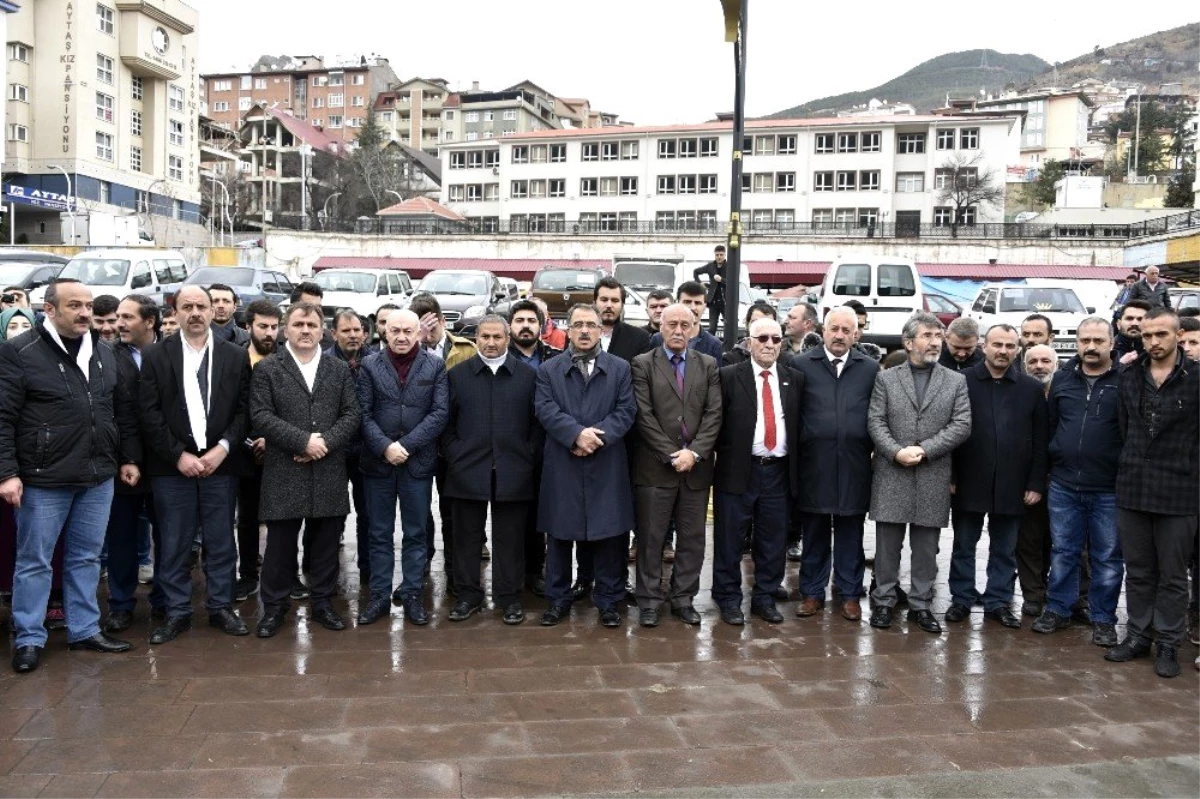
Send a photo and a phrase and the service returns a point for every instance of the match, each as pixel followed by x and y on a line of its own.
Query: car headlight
pixel 474 311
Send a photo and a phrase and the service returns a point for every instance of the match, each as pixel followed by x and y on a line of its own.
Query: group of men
pixel 626 430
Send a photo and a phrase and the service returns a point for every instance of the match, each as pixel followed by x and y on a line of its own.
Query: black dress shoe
pixel 1005 616
pixel 375 610
pixel 686 614
pixel 514 613
pixel 228 621
pixel 767 612
pixel 537 586
pixel 924 620
pixel 101 643
pixel 781 594
pixel 610 617
pixel 118 621
pixel 414 611
pixel 1132 647
pixel 398 597
pixel 1082 615
pixel 794 553
pixel 463 610
pixel 158 614
pixel 270 625
pixel 299 589
pixel 957 612
pixel 580 589
pixel 881 617
pixel 630 593
pixel 732 614
pixel 1167 663
pixel 1032 608
pixel 648 617
pixel 328 618
pixel 171 629
pixel 555 614
pixel 26 659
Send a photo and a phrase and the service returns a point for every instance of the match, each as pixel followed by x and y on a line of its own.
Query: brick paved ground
pixel 480 709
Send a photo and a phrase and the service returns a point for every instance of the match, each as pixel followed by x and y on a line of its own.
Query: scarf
pixel 83 357
pixel 585 361
pixel 403 363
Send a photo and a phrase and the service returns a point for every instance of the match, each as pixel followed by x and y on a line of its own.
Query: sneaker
pixel 146 574
pixel 245 589
pixel 793 552
pixel 1104 634
pixel 299 589
pixel 1167 663
pixel 55 618
pixel 1050 622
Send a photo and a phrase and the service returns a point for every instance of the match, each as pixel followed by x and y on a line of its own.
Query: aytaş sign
pixel 38 197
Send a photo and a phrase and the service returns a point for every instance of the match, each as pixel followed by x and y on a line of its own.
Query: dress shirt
pixel 837 368
pixel 606 338
pixel 197 409
pixel 439 349
pixel 759 448
pixel 307 370
pixel 682 363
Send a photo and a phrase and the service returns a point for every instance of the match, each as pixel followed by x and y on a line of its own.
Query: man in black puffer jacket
pixel 68 425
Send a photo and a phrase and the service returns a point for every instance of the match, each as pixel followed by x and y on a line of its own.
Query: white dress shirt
pixel 197 409
pixel 759 447
pixel 307 370
pixel 837 368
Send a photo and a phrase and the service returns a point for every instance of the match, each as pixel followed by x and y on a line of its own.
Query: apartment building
pixel 101 113
pixel 412 112
pixel 333 95
pixel 477 115
pixel 1056 123
pixel 844 172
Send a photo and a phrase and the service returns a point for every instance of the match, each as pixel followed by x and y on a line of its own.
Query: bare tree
pixel 962 184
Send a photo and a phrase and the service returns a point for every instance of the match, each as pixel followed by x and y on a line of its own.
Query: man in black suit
pixel 715 269
pixel 835 473
pixel 304 404
pixel 616 337
pixel 194 396
pixel 491 446
pixel 758 467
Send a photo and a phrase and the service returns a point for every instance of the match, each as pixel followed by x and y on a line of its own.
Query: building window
pixel 18 92
pixel 910 143
pixel 608 221
pixel 456 194
pixel 137 88
pixel 105 192
pixel 686 184
pixel 868 180
pixel 689 148
pixel 491 192
pixel 847 181
pixel 943 215
pixel 358 102
pixel 764 145
pixel 945 178
pixel 787 145
pixel 945 139
pixel 591 151
pixel 785 181
pixel 104 146
pixel 449 115
pixel 458 160
pixel 708 148
pixel 708 184
pixel 472 116
pixel 489 116
pixel 610 150
pixel 337 79
pixel 629 150
pixel 558 187
pixel 847 143
pixel 217 85
pixel 176 133
pixel 518 189
pixel 537 189
pixel 558 153
pixel 666 148
pixel 968 139
pixel 491 159
pixel 537 154
pixel 520 155
pixel 471 135
pixel 629 186
pixel 357 80
pixel 335 120
pixel 18 52
pixel 135 122
pixel 761 218
pixel 247 81
pixel 608 187
pixel 589 187
pixel 666 184
pixel 822 216
pixel 870 142
pixel 822 181
pixel 104 69
pixel 910 182
pixel 260 83
pixel 105 19
pixel 174 167
pixel 244 104
pixel 18 133
pixel 509 115
pixel 844 217
pixel 785 217
pixel 318 102
pixel 824 143
pixel 175 99
pixel 220 107
pixel 868 217
pixel 764 182
pixel 627 220
pixel 337 100
pixel 135 159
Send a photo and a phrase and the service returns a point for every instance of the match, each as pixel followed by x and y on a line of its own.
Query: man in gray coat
pixel 919 413
pixel 304 405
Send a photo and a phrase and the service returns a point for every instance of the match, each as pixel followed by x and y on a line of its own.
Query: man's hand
pixel 395 454
pixel 425 332
pixel 1032 497
pixel 1129 357
pixel 910 456
pixel 259 447
pixel 717 278
pixel 316 449
pixel 683 460
pixel 190 466
pixel 579 453
pixel 130 474
pixel 590 439
pixel 11 491
pixel 213 459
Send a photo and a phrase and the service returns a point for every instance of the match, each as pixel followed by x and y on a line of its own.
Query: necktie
pixel 768 413
pixel 837 367
pixel 677 362
pixel 202 377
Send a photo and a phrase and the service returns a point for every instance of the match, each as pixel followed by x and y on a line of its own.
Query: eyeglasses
pixel 763 339
pixel 584 326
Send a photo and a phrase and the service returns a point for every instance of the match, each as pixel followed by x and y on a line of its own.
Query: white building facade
pixel 854 172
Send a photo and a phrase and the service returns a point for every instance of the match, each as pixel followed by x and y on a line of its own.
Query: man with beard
pixel 1036 329
pixel 800 329
pixel 617 338
pixel 999 471
pixel 262 317
pixel 1128 346
pixel 104 317
pixel 225 303
pixel 1041 362
pixel 349 336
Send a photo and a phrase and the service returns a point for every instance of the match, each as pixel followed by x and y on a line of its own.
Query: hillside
pixel 926 85
pixel 1164 57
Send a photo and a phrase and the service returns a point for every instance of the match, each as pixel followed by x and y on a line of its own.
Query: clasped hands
pixel 910 456
pixel 587 442
pixel 205 465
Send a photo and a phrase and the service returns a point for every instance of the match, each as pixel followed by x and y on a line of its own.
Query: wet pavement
pixel 819 705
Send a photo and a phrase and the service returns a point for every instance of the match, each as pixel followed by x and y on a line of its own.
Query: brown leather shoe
pixel 852 610
pixel 810 606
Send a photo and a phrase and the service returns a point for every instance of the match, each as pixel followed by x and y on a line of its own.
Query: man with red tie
pixel 757 473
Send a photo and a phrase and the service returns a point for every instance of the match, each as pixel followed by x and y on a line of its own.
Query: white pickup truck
pixel 1010 304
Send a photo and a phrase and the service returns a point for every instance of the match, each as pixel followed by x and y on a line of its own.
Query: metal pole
pixel 12 223
pixel 733 262
pixel 70 203
pixel 212 204
pixel 1137 132
pixel 304 187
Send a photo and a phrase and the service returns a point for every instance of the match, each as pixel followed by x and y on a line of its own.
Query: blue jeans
pixel 1078 518
pixel 182 504
pixel 414 495
pixel 1001 563
pixel 123 540
pixel 81 514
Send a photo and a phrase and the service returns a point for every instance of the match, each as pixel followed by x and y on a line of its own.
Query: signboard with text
pixel 38 197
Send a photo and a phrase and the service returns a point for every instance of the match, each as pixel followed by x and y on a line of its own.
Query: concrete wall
pixel 1135 195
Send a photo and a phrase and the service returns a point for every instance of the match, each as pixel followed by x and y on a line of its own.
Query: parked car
pixel 17 255
pixel 561 287
pixel 1184 298
pixel 463 294
pixel 888 287
pixel 944 308
pixel 155 273
pixel 511 287
pixel 29 275
pixel 362 290
pixel 250 283
pixel 1010 304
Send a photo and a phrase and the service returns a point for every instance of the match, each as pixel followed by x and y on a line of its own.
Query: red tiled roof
pixel 421 206
pixel 517 268
pixel 451 101
pixel 305 132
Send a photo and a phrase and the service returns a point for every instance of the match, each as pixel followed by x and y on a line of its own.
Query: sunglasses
pixel 763 339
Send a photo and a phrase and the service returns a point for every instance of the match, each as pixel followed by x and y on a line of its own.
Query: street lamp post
pixel 70 200
pixel 225 216
pixel 735 32
pixel 326 216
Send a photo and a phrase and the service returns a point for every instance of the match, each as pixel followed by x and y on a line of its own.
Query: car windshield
pixel 645 276
pixel 450 283
pixel 97 271
pixel 16 274
pixel 358 282
pixel 1031 299
pixel 229 275
pixel 564 280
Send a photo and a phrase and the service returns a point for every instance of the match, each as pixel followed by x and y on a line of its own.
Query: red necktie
pixel 768 413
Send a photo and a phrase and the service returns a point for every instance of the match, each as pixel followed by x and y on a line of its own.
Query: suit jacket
pixel 1006 453
pixel 414 414
pixel 662 412
pixel 492 431
pixel 739 407
pixel 286 414
pixel 628 342
pixel 916 494
pixel 716 288
pixel 166 431
pixel 1156 295
pixel 129 374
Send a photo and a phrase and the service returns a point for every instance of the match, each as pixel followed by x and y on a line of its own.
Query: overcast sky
pixel 661 61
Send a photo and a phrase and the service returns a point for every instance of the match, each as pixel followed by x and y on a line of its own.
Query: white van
pixel 888 287
pixel 156 273
pixel 646 276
